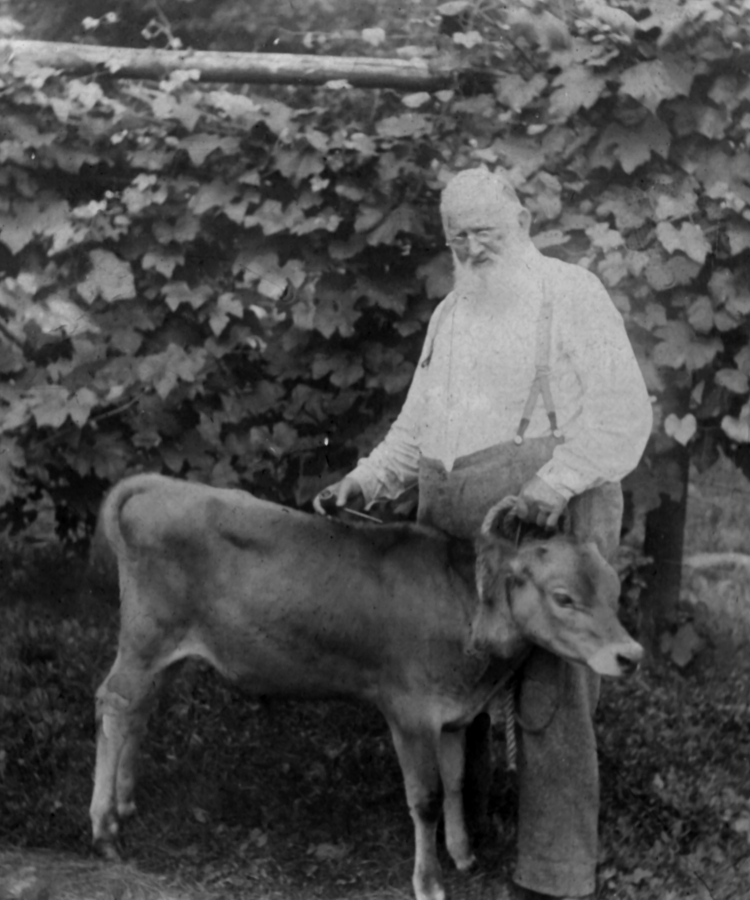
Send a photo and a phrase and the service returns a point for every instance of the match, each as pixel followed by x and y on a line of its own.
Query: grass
pixel 291 800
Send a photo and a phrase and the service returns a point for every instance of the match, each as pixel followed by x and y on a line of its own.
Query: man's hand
pixel 540 504
pixel 341 494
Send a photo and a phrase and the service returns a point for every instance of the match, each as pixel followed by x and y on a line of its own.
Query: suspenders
pixel 540 384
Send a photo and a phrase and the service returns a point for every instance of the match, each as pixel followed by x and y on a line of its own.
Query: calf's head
pixel 558 594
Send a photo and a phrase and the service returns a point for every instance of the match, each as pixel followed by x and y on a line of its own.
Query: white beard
pixel 495 283
pixel 476 283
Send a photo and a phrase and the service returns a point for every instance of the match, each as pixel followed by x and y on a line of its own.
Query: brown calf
pixel 283 602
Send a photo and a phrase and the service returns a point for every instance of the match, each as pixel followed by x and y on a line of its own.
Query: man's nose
pixel 473 245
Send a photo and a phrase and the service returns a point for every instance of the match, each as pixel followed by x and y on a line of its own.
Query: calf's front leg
pixel 417 754
pixel 452 775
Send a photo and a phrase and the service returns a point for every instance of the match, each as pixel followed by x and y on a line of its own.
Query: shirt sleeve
pixel 605 441
pixel 393 466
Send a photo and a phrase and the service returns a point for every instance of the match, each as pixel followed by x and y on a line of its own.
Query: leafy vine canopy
pixel 231 283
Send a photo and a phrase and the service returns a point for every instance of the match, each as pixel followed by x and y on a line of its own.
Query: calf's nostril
pixel 627 664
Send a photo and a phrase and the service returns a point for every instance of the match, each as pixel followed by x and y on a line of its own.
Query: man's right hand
pixel 342 493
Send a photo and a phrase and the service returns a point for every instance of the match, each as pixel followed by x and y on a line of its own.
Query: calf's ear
pixel 494 627
pixel 498 518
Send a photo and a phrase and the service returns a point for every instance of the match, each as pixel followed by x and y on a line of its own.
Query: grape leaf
pixel 49 405
pixel 738 427
pixel 373 36
pixel 438 275
pixel 406 125
pixel 701 315
pixel 414 101
pixel 27 219
pixel 178 292
pixel 80 405
pixel 11 459
pixel 656 80
pixel 518 92
pixel 629 206
pixel 385 293
pixel 335 313
pixel 402 219
pixel 164 370
pixel 679 347
pixel 632 147
pixel 604 237
pixel 216 193
pixel 344 370
pixel 663 274
pixel 742 360
pixel 109 277
pixel 242 109
pixel 729 288
pixel 227 305
pixel 613 268
pixel 166 106
pixel 182 231
pixel 576 87
pixel 200 146
pixel 688 238
pixel 388 368
pixel 544 198
pixel 681 429
pixel 553 237
pixel 738 234
pixel 163 259
pixel 676 207
pixel 263 270
pixel 732 380
pixel 274 218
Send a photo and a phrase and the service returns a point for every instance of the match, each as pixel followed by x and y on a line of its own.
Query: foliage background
pixel 232 284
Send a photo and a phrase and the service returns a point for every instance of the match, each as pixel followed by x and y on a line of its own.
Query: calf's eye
pixel 564 600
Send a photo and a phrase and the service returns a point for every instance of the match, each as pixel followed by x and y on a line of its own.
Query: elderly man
pixel 527 386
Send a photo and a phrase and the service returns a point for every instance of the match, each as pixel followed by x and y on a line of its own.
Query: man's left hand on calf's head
pixel 539 503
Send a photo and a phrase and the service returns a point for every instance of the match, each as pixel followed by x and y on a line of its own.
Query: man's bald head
pixel 478 188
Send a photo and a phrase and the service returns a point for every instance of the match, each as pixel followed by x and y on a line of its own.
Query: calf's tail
pixel 100 587
pixel 111 511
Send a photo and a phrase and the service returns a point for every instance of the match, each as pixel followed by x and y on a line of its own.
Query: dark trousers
pixel 558 776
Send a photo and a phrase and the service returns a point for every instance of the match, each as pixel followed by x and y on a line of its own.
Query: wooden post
pixel 664 543
pixel 246 68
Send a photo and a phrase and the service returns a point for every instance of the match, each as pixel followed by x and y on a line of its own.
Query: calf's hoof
pixel 107 848
pixel 428 890
pixel 126 810
pixel 464 863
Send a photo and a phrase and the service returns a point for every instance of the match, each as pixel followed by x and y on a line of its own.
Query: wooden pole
pixel 665 544
pixel 245 68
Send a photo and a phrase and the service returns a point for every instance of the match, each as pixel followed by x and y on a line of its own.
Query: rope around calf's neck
pixel 512 715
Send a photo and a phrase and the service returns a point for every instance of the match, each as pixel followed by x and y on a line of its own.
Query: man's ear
pixel 524 220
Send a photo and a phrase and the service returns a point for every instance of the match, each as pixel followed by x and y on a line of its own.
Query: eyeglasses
pixel 485 236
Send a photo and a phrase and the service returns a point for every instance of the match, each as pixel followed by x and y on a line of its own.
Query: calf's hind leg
pixel 127 764
pixel 122 705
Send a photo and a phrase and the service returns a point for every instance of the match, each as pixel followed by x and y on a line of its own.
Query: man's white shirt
pixel 476 370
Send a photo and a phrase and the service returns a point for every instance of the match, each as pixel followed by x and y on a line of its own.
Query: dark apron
pixel 457 501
